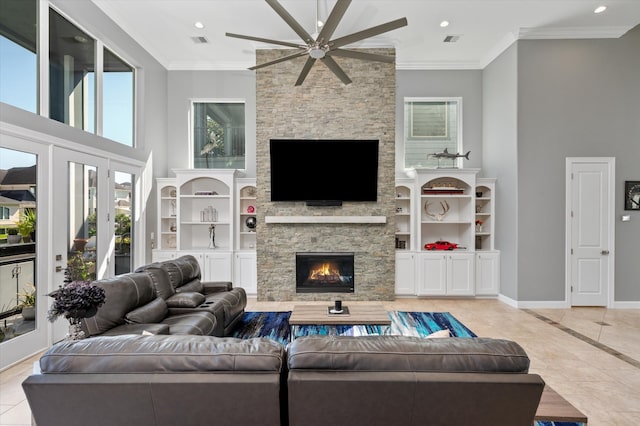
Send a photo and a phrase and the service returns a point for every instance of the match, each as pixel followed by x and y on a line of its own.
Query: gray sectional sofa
pixel 166 298
pixel 315 380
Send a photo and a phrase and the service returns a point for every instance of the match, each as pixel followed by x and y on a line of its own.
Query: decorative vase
pixel 29 313
pixel 251 223
pixel 75 330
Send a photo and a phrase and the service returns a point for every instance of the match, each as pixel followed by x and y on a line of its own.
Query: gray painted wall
pixel 465 84
pixel 576 98
pixel 500 159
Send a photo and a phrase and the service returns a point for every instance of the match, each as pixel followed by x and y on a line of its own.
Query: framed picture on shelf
pixel 632 195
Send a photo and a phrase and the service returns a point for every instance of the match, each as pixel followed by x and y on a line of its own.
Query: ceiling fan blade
pixel 333 20
pixel 295 26
pixel 361 55
pixel 305 70
pixel 284 58
pixel 264 40
pixel 369 32
pixel 335 68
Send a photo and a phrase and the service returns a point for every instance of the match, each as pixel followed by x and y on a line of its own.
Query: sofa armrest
pixel 216 286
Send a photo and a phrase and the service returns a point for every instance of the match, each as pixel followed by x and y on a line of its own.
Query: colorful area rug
pixel 275 325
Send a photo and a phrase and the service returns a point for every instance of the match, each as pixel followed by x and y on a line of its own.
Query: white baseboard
pixel 534 304
pixel 625 305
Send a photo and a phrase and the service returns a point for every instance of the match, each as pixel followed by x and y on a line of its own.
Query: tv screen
pixel 324 171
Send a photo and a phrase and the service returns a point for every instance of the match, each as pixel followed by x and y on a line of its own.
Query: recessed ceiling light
pixel 600 9
pixel 444 24
pixel 320 23
pixel 199 25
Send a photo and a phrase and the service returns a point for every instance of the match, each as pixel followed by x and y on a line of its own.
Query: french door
pixel 24 263
pixel 80 219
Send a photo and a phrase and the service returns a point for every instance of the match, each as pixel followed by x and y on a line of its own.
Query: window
pixel 117 99
pixel 5 213
pixel 71 74
pixel 431 125
pixel 218 135
pixel 18 54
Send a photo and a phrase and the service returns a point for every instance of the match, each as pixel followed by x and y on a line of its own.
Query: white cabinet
pixel 167 213
pixel 405 273
pixel 485 214
pixel 218 266
pixel 246 272
pixel 446 274
pixel 214 266
pixel 487 273
pixel 246 214
pixel 404 214
pixel 445 209
pixel 162 255
pixel 205 209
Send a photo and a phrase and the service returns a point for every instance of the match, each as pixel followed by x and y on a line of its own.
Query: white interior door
pixel 591 231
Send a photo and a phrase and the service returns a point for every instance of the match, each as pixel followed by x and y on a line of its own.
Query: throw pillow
pixel 185 300
pixel 439 333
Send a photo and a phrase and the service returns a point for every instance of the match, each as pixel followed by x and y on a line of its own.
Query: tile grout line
pixel 586 339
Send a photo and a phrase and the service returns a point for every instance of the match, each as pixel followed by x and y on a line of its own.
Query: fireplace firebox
pixel 331 272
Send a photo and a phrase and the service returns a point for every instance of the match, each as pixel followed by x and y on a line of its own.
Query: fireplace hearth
pixel 330 272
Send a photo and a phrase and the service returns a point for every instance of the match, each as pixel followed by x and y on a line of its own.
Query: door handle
pixel 604 252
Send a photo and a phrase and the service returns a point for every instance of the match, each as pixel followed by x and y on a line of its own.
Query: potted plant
pixel 78 298
pixel 25 228
pixel 12 236
pixel 27 301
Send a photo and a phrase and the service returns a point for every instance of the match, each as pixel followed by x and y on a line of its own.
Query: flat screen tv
pixel 324 172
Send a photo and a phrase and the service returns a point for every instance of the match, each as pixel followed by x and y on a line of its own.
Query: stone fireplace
pixel 324 273
pixel 324 108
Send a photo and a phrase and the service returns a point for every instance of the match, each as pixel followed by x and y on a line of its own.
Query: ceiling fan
pixel 322 47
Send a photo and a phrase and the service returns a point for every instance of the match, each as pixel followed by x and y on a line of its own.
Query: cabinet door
pixel 487 274
pixel 160 255
pixel 460 275
pixel 217 267
pixel 432 279
pixel 405 274
pixel 246 272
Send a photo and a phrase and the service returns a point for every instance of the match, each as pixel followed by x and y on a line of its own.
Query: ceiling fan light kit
pixel 322 47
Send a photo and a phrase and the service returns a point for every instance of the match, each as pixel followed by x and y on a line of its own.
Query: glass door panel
pixel 123 197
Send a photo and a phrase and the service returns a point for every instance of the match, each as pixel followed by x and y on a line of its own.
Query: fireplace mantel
pixel 325 219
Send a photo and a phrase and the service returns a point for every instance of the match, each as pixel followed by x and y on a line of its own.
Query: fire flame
pixel 325 272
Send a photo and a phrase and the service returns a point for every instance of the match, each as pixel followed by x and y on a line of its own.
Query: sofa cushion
pixel 123 294
pixel 162 354
pixel 192 286
pixel 160 278
pixel 400 353
pixel 153 312
pixel 185 300
pixel 182 271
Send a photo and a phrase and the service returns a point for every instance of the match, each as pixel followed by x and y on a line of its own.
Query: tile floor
pixel 590 356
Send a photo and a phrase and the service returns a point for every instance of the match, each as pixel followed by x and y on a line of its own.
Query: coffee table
pixel 359 314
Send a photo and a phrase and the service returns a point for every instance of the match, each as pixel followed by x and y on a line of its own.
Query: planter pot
pixel 29 313
pixel 26 238
pixel 14 239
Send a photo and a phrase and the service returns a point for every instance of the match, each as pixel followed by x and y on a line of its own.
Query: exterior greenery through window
pixel 431 125
pixel 218 135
